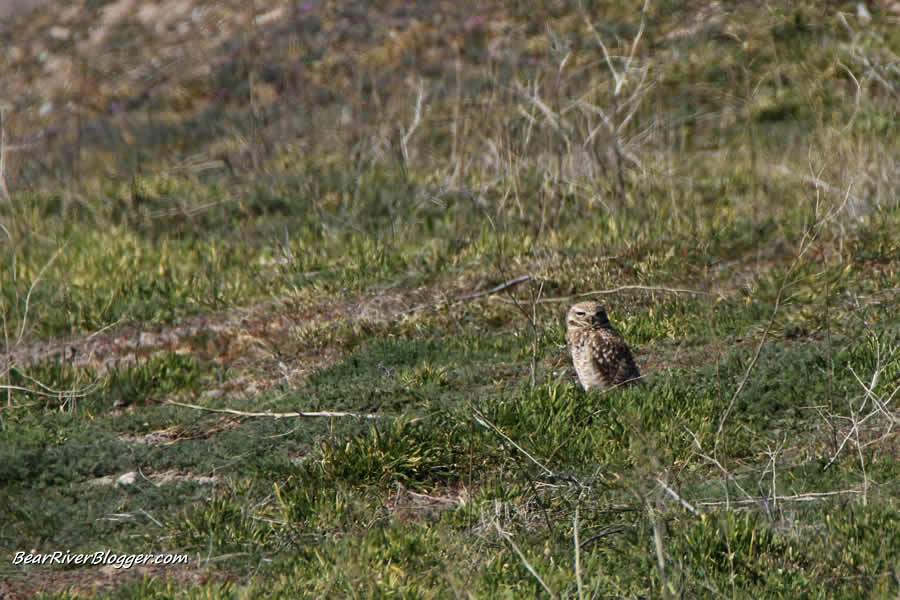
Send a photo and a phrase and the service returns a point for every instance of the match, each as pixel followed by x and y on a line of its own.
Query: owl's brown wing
pixel 627 372
pixel 614 359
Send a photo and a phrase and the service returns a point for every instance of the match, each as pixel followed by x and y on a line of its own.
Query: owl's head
pixel 587 314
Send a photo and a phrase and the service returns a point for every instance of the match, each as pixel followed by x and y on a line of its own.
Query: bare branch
pixel 524 560
pixel 484 422
pixel 554 119
pixel 675 495
pixel 577 556
pixel 714 461
pixel 3 189
pixel 609 64
pixel 417 118
pixel 805 243
pixel 52 394
pixel 807 497
pixel 637 37
pixel 621 288
pixel 750 367
pixel 858 95
pixel 31 289
pixel 497 289
pixel 274 415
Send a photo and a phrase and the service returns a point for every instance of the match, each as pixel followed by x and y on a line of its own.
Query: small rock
pixel 863 12
pixel 59 33
pixel 15 54
pixel 126 478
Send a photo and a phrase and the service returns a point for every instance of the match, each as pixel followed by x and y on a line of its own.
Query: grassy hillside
pixel 282 289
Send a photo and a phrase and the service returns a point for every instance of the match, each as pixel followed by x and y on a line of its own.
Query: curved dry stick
pixel 622 288
pixel 497 289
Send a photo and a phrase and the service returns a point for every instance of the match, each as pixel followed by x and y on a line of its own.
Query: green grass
pixel 251 256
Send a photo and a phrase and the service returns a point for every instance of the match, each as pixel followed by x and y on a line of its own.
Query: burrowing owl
pixel 601 356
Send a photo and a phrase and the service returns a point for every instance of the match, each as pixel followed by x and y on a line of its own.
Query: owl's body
pixel 600 355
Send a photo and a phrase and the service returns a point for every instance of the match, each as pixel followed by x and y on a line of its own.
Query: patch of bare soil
pixel 157 479
pixel 411 507
pixel 264 344
pixel 177 433
pixel 11 8
pixel 213 337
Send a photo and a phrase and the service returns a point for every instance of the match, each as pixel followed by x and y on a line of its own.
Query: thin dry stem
pixel 484 422
pixel 807 497
pixel 3 189
pixel 622 288
pixel 497 289
pixel 714 461
pixel 276 415
pixel 524 560
pixel 577 556
pixel 417 119
pixel 675 495
pixel 31 290
pixel 51 394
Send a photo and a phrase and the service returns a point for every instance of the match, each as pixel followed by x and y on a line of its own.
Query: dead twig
pixel 524 560
pixel 31 289
pixel 807 497
pixel 497 289
pixel 417 118
pixel 605 532
pixel 484 422
pixel 577 556
pixel 50 394
pixel 805 243
pixel 622 288
pixel 274 415
pixel 4 191
pixel 749 370
pixel 675 495
pixel 727 474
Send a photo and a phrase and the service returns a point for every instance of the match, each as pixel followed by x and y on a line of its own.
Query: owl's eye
pixel 580 313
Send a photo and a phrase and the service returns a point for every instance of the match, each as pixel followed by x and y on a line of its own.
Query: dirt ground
pixel 10 8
